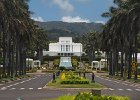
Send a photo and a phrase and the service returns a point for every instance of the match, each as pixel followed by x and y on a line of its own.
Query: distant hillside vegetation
pixel 56 29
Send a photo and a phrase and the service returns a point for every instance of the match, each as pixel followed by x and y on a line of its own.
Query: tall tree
pixel 16 30
pixel 90 43
pixel 122 29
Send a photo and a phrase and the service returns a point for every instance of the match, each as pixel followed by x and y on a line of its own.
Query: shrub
pixel 73 78
pixel 50 58
pixel 56 62
pixel 72 75
pixel 74 63
pixel 62 68
pixel 89 96
pixel 63 76
pixel 75 82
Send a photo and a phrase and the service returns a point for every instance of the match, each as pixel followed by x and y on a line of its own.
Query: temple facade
pixel 65 47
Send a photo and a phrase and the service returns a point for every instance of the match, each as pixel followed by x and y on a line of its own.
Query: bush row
pixel 75 82
pixel 89 96
pixel 51 58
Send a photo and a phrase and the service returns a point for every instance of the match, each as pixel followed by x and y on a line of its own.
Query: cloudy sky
pixel 69 10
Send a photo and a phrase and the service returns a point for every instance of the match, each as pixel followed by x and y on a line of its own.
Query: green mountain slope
pixel 57 29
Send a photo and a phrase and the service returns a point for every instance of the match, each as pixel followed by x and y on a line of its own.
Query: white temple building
pixel 65 47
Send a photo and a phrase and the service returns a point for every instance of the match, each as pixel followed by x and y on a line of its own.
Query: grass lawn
pixel 65 97
pixel 122 78
pixel 57 84
pixel 13 79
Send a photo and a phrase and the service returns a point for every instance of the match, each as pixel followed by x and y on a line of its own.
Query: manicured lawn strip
pixel 121 78
pixel 14 78
pixel 58 85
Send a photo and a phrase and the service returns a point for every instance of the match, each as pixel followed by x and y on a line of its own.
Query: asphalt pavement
pixel 32 88
pixel 27 89
pixel 118 87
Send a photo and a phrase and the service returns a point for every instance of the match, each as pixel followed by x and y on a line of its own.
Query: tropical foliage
pixel 56 63
pixel 74 63
pixel 39 42
pixel 90 43
pixel 17 32
pixel 120 35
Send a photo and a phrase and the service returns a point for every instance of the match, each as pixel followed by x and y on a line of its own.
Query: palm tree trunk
pixel 24 61
pixel 129 64
pixel 125 65
pixel 136 50
pixel 4 55
pixel 110 63
pixel 12 60
pixel 114 62
pixel 107 60
pixel 40 54
pixel 117 60
pixel 122 63
pixel 21 60
pixel 93 55
pixel 17 60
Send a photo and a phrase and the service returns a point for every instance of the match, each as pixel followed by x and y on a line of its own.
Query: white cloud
pixel 64 5
pixel 38 19
pixel 74 19
pixel 100 22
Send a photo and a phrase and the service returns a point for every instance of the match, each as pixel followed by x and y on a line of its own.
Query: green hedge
pixel 82 58
pixel 89 96
pixel 62 68
pixel 50 58
pixel 75 82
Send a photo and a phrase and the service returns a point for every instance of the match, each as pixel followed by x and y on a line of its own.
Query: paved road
pixel 31 89
pixel 116 87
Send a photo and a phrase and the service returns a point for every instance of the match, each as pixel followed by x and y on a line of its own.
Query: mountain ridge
pixel 56 29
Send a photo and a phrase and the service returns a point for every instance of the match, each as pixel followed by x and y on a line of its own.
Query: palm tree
pixel 41 43
pixel 123 28
pixel 17 30
pixel 90 43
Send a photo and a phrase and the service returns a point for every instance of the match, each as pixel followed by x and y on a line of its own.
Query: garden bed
pixel 72 80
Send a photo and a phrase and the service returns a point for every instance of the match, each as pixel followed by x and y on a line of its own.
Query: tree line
pixel 119 39
pixel 121 35
pixel 19 37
